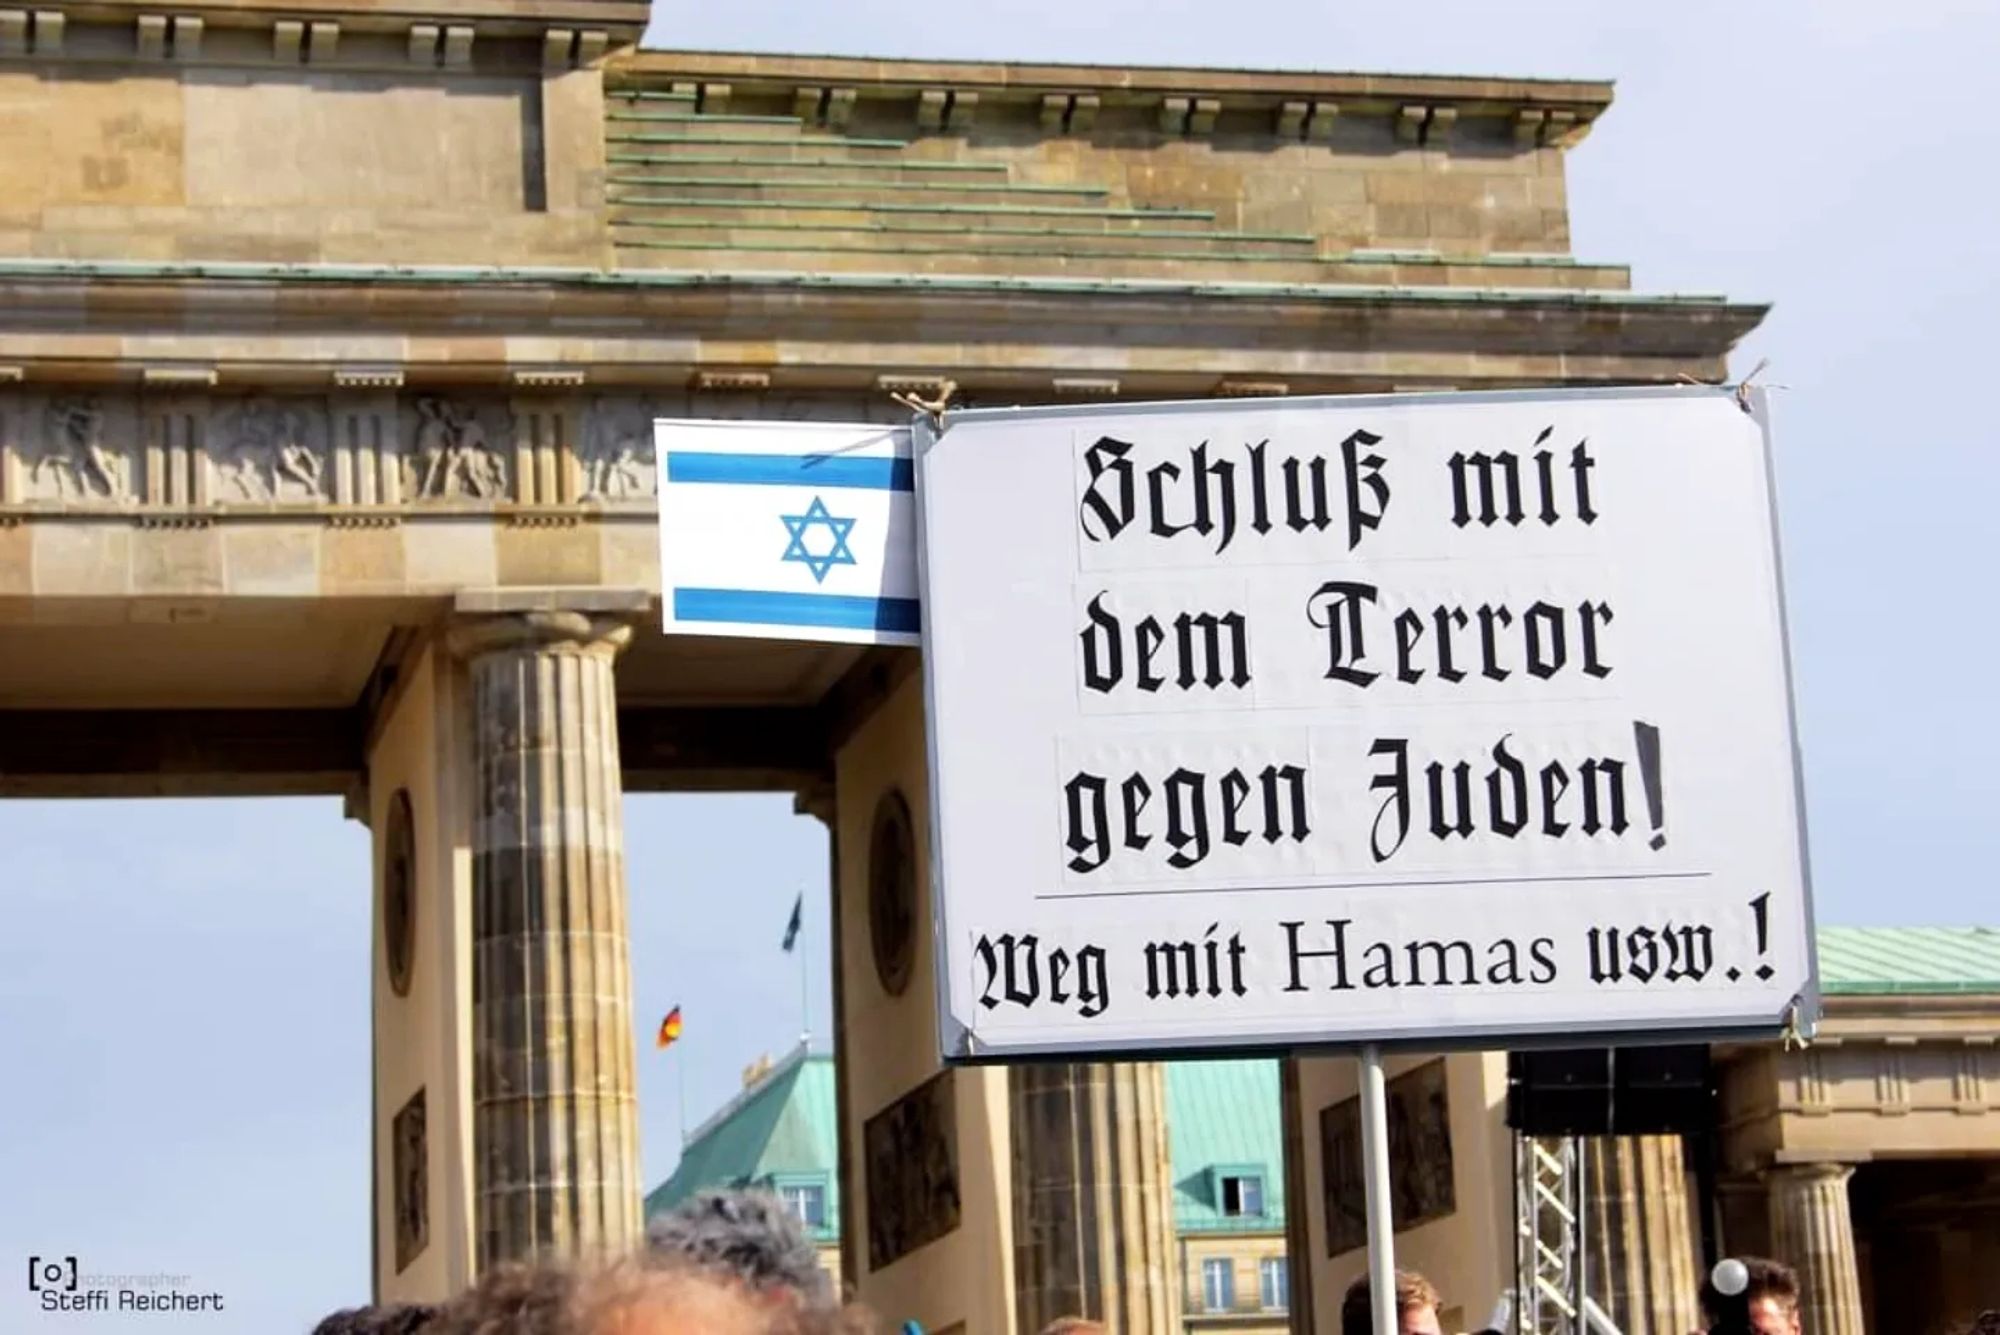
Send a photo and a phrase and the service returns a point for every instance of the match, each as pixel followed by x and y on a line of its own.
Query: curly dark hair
pixel 512 1299
pixel 749 1235
pixel 389 1319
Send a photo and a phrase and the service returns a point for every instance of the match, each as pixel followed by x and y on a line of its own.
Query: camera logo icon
pixel 52 1274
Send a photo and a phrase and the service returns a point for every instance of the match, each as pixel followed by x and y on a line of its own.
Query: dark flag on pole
pixel 798 921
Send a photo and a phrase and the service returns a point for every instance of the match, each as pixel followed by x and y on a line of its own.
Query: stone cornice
pixel 258 323
pixel 623 18
pixel 1292 101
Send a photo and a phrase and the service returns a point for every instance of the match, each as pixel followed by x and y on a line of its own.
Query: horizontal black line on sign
pixel 1385 885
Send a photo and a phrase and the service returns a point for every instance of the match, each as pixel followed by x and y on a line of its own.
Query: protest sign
pixel 1455 718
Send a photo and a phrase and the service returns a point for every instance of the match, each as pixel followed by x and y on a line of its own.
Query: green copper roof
pixel 778 1132
pixel 1872 961
pixel 1224 1119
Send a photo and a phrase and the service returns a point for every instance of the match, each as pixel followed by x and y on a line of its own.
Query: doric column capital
pixel 1829 1171
pixel 472 637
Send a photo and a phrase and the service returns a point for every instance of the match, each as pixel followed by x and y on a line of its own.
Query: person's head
pixel 1417 1304
pixel 750 1236
pixel 513 1299
pixel 673 1296
pixel 1986 1323
pixel 1770 1301
pixel 393 1319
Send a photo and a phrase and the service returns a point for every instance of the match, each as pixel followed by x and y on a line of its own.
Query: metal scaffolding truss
pixel 1549 1241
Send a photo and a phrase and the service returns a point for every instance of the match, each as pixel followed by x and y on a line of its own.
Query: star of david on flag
pixel 845 496
pixel 799 549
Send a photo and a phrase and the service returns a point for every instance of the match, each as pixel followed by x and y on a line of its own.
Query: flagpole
pixel 681 1078
pixel 805 991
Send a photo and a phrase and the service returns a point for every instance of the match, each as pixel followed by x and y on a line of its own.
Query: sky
pixel 183 1002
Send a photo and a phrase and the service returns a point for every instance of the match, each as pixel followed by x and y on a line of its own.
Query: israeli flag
pixel 788 530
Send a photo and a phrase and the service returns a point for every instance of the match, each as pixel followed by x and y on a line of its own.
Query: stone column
pixel 1093 1197
pixel 555 1125
pixel 1641 1232
pixel 1812 1230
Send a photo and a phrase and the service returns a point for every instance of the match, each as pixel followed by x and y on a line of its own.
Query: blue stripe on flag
pixel 792 470
pixel 836 610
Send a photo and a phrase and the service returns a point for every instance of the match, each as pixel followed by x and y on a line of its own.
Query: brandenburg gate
pixel 330 341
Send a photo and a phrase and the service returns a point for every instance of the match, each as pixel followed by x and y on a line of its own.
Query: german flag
pixel 670 1029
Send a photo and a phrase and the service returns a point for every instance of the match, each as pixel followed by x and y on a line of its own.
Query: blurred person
pixel 389 1319
pixel 751 1236
pixel 674 1296
pixel 511 1299
pixel 1767 1305
pixel 1417 1304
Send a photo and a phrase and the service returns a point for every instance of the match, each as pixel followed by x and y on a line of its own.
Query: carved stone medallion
pixel 892 892
pixel 409 1169
pixel 911 1151
pixel 399 893
pixel 1420 1160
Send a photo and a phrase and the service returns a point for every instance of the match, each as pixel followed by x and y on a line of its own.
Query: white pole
pixel 1375 1173
pixel 805 987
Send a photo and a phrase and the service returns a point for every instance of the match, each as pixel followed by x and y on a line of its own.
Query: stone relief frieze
pixel 75 457
pixel 314 450
pixel 616 452
pixel 272 450
pixel 457 450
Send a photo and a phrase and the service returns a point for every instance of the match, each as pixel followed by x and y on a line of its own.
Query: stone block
pixel 84 558
pixel 441 553
pixel 540 556
pixel 17 559
pixel 629 551
pixel 360 560
pixel 271 560
pixel 1399 221
pixel 177 560
pixel 1454 220
pixel 839 107
pixel 931 103
pixel 152 36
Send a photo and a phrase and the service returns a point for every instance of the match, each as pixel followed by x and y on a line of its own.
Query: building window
pixel 1243 1195
pixel 1274 1283
pixel 1218 1284
pixel 807 1202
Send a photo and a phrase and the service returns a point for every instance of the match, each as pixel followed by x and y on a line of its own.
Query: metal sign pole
pixel 1375 1173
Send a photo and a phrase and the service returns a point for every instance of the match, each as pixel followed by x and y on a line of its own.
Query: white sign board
pixel 1455 718
pixel 788 530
